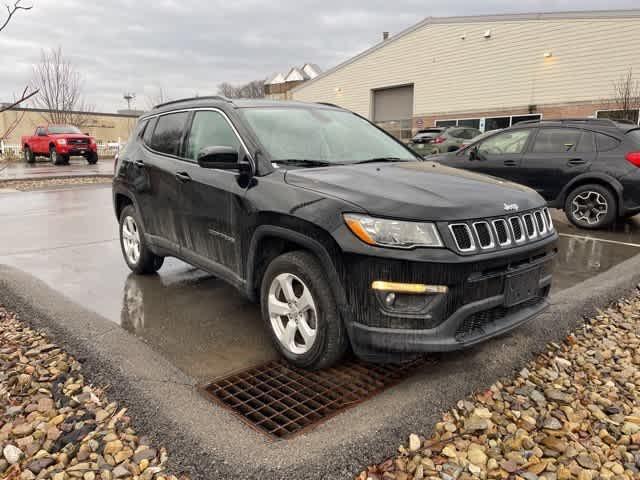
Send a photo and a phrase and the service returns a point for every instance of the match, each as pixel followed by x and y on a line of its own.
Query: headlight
pixel 393 233
pixel 61 141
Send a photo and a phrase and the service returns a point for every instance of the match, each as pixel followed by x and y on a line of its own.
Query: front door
pixel 499 155
pixel 212 198
pixel 555 157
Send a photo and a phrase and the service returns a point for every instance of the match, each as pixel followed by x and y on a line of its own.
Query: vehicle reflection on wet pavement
pixel 67 238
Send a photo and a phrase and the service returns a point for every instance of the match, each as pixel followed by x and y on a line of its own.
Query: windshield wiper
pixel 302 162
pixel 383 159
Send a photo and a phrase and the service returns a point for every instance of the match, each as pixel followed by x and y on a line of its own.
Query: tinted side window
pixel 605 142
pixel 40 131
pixel 507 142
pixel 210 129
pixel 586 143
pixel 556 140
pixel 146 137
pixel 168 133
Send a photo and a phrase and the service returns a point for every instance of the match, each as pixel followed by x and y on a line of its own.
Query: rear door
pixel 40 141
pixel 160 206
pixel 211 198
pixel 555 157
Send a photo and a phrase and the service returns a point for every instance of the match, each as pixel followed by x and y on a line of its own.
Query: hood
pixel 68 135
pixel 416 190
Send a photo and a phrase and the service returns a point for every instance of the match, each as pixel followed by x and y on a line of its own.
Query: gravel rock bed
pixel 572 413
pixel 38 184
pixel 53 425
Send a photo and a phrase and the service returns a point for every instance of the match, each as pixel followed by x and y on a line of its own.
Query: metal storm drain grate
pixel 282 401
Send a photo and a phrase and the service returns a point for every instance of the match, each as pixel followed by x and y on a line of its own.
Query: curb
pixel 210 443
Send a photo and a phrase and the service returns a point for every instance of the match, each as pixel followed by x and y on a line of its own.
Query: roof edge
pixel 499 17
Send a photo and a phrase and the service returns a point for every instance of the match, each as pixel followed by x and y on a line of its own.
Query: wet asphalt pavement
pixel 43 168
pixel 68 239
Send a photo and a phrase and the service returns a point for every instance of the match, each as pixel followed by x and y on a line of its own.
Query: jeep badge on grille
pixel 511 207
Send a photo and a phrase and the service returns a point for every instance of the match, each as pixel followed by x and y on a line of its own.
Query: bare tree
pixel 12 9
pixel 627 96
pixel 60 90
pixel 253 89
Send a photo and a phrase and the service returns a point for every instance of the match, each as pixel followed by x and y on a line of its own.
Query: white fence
pixel 104 149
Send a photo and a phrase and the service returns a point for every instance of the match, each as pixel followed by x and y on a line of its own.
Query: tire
pixel 329 341
pixel 55 158
pixel 591 206
pixel 29 157
pixel 92 158
pixel 66 159
pixel 140 259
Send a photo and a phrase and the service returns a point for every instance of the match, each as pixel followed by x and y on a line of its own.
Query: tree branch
pixel 11 10
pixel 23 98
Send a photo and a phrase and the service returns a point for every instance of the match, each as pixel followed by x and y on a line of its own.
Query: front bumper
pixel 75 150
pixel 475 308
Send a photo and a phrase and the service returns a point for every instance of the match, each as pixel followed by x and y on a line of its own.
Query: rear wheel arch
pixel 593 178
pixel 270 241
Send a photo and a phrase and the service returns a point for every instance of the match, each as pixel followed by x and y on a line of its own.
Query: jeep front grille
pixel 479 235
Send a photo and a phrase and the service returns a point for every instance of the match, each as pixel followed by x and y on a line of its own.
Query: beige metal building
pixel 487 71
pixel 104 127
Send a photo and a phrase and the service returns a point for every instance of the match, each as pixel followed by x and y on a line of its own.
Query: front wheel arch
pixel 284 240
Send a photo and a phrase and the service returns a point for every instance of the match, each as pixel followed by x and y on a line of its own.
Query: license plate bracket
pixel 520 287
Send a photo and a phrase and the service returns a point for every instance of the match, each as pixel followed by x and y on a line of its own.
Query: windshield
pixel 320 134
pixel 59 129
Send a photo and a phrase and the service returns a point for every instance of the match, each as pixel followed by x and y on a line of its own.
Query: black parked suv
pixel 343 234
pixel 588 167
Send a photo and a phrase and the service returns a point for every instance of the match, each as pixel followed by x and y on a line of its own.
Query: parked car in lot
pixel 588 167
pixel 342 233
pixel 59 143
pixel 441 139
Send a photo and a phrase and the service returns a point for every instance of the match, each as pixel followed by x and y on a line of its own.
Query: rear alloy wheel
pixel 591 206
pixel 301 314
pixel 137 254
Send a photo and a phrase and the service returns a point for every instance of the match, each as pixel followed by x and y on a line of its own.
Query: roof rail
pixel 209 97
pixel 599 121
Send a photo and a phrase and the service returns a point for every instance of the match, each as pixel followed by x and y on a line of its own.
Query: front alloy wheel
pixel 136 252
pixel 300 311
pixel 293 313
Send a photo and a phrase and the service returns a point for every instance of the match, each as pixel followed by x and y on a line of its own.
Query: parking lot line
pixel 584 237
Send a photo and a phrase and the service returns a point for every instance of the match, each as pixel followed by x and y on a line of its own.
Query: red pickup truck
pixel 59 142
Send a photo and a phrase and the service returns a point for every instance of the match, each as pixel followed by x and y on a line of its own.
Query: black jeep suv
pixel 343 234
pixel 588 167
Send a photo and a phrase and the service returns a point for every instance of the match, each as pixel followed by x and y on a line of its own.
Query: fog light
pixel 390 299
pixel 408 287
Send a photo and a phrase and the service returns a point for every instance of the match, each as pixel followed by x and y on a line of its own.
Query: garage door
pixel 393 110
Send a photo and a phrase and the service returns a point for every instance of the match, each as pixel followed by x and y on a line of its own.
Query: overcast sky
pixel 190 46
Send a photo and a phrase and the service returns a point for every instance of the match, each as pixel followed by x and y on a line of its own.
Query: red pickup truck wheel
pixel 56 158
pixel 29 157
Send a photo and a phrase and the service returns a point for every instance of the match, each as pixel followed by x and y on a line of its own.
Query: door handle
pixel 183 177
pixel 139 163
pixel 576 161
pixel 510 163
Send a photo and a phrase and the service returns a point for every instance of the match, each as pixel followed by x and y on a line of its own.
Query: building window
pixel 401 129
pixel 446 123
pixel 494 123
pixel 524 118
pixel 486 124
pixel 630 115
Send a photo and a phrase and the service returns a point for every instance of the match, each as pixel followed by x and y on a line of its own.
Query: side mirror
pixel 223 158
pixel 473 153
